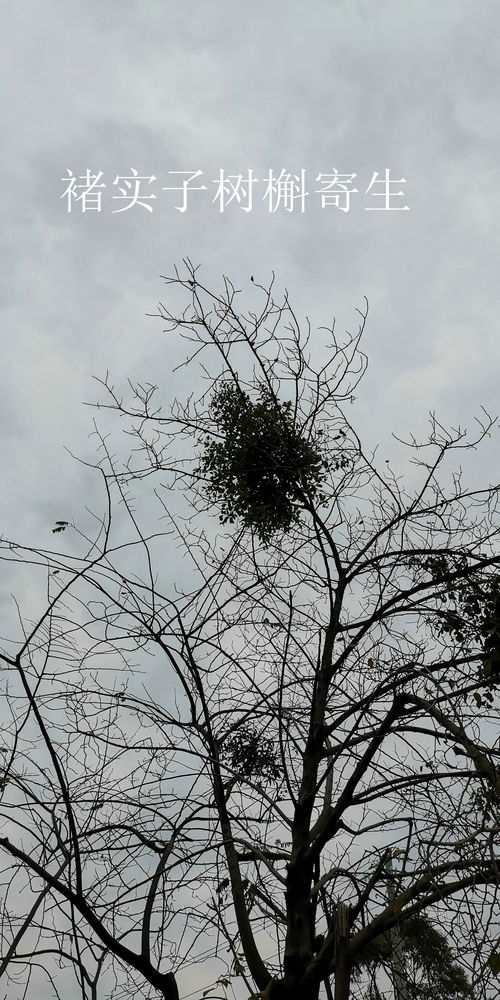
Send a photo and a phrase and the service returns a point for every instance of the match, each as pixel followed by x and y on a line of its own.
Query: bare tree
pixel 270 668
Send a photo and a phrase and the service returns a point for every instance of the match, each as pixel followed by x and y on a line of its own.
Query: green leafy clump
pixel 494 962
pixel 475 617
pixel 251 755
pixel 471 614
pixel 260 468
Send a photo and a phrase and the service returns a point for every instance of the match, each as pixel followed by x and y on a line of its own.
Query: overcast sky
pixel 357 86
pixel 349 85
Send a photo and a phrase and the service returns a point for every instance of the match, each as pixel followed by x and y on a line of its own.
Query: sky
pixel 346 86
pixel 352 87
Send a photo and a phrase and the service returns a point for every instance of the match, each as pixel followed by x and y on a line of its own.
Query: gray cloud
pixel 355 86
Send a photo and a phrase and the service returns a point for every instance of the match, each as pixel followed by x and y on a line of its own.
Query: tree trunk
pixel 342 965
pixel 342 980
pixel 397 960
pixel 279 990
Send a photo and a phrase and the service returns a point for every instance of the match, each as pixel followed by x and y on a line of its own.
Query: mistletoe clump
pixel 260 468
pixel 250 754
pixel 471 612
pixel 477 615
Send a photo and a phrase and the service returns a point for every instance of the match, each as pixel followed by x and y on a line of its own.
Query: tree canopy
pixel 267 669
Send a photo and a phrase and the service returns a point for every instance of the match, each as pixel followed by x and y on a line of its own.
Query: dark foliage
pixel 470 613
pixel 260 469
pixel 250 754
pixel 437 976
